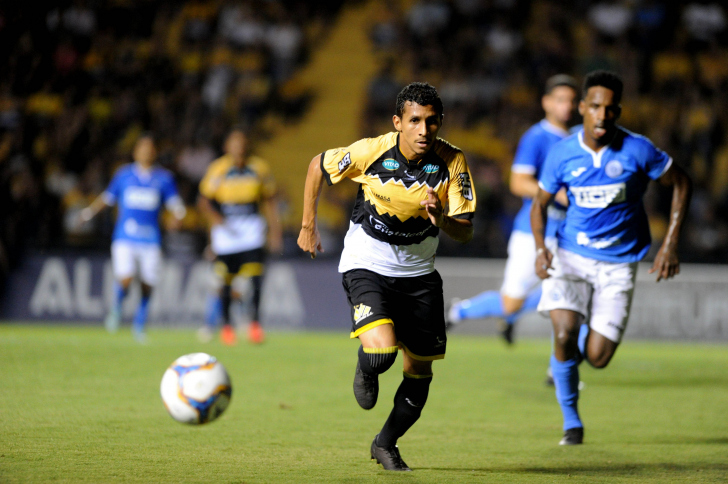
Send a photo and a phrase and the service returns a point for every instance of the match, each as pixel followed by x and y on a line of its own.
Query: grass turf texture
pixel 80 405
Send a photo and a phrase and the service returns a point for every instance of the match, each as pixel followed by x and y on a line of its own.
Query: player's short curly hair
pixel 608 79
pixel 421 93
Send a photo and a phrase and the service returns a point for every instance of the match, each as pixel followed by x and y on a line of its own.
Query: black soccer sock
pixel 257 282
pixel 225 301
pixel 374 361
pixel 408 402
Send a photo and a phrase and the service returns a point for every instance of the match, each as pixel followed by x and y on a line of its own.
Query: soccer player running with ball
pixel 521 289
pixel 412 186
pixel 589 280
pixel 139 190
pixel 236 197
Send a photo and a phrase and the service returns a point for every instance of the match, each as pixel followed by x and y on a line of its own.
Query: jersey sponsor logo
pixel 390 164
pixel 381 197
pixel 583 239
pixel 345 162
pixel 578 171
pixel 141 198
pixel 613 169
pixel 430 168
pixel 467 187
pixel 599 196
pixel 384 228
pixel 361 311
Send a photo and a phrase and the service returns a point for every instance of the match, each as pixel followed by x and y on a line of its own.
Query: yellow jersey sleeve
pixel 212 179
pixel 460 193
pixel 352 161
pixel 268 184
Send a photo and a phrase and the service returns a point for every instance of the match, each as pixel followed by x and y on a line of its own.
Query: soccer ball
pixel 196 388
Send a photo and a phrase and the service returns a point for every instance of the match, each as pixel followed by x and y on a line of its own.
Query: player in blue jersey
pixel 521 289
pixel 139 190
pixel 589 281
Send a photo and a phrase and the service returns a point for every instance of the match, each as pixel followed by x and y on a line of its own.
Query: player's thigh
pixel 419 317
pixel 612 299
pixel 570 285
pixel 366 292
pixel 122 260
pixel 149 259
pixel 519 277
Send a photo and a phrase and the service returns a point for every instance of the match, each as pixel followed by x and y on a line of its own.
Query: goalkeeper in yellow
pixel 412 186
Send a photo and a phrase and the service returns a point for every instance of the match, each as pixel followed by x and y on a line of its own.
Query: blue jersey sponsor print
pixel 606 219
pixel 530 155
pixel 139 197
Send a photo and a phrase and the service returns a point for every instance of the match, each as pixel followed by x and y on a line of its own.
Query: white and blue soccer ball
pixel 196 389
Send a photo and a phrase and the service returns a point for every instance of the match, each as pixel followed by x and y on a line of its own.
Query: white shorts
pixel 520 276
pixel 601 291
pixel 126 256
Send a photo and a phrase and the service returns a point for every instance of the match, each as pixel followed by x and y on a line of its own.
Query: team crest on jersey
pixel 613 169
pixel 390 164
pixel 430 168
pixel 345 162
pixel 361 311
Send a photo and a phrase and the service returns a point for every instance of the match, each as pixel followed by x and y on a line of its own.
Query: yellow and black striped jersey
pixel 237 193
pixel 387 207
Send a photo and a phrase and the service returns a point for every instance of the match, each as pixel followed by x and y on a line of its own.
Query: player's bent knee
pixel 377 360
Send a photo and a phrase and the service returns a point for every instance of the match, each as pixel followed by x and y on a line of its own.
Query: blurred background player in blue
pixel 236 197
pixel 521 289
pixel 139 190
pixel 589 281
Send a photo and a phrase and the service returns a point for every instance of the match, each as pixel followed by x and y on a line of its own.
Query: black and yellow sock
pixel 374 361
pixel 409 400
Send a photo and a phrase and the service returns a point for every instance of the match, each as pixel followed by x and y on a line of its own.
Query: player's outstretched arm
pixel 538 223
pixel 666 263
pixel 309 239
pixel 275 232
pixel 93 209
pixel 213 216
pixel 460 230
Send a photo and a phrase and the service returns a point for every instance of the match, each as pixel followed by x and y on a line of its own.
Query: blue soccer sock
pixel 566 380
pixel 583 334
pixel 529 304
pixel 119 295
pixel 140 318
pixel 213 310
pixel 485 304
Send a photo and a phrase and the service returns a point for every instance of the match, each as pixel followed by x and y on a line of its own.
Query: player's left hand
pixel 434 208
pixel 666 264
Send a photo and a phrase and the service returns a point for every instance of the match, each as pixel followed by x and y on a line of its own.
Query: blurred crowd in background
pixel 80 80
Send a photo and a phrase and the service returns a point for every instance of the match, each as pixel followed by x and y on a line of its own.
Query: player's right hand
pixel 309 240
pixel 543 262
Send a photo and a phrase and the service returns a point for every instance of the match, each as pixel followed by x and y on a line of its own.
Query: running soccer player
pixel 139 190
pixel 236 196
pixel 412 186
pixel 521 289
pixel 589 281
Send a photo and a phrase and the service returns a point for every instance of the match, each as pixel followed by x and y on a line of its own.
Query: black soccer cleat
pixel 573 436
pixel 389 457
pixel 366 388
pixel 506 332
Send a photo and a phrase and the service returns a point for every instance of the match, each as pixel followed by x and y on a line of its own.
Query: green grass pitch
pixel 80 405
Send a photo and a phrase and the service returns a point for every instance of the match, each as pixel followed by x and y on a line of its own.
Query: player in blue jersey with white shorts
pixel 139 190
pixel 589 281
pixel 521 289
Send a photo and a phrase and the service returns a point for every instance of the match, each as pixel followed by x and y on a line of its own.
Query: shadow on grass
pixel 614 470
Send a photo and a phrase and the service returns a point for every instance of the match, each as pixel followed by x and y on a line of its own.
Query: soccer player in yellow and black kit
pixel 236 196
pixel 412 185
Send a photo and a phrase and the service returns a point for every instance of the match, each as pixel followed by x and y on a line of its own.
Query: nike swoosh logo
pixel 578 171
pixel 411 403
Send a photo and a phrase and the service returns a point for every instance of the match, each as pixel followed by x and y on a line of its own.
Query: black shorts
pixel 245 264
pixel 414 305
